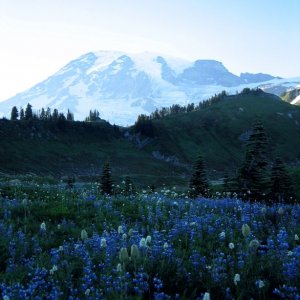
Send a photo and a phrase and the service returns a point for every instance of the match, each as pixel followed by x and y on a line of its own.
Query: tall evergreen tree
pixel 28 112
pixel 106 183
pixel 55 115
pixel 14 114
pixel 199 182
pixel 70 116
pixel 281 183
pixel 48 115
pixel 43 114
pixel 22 114
pixel 253 174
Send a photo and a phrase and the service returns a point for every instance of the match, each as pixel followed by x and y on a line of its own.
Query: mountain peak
pixel 123 85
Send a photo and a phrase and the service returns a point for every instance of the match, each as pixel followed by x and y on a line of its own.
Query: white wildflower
pixel 260 284
pixel 83 234
pixel 53 270
pixel 296 237
pixel 165 246
pixel 280 211
pixel 134 252
pixel 246 230
pixel 231 246
pixel 124 236
pixel 206 296
pixel 43 226
pixel 143 242
pixel 123 255
pixel 120 229
pixel 237 278
pixel 130 232
pixel 148 240
pixel 103 243
pixel 222 235
pixel 119 268
pixel 254 244
pixel 87 292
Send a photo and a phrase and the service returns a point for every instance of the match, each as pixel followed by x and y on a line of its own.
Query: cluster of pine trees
pixel 93 116
pixel 42 114
pixel 257 178
pixel 144 124
pixel 47 114
pixel 178 109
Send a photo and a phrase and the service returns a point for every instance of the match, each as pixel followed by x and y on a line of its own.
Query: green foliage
pixel 144 126
pixel 22 114
pixel 28 112
pixel 219 129
pixel 281 184
pixel 188 239
pixel 70 116
pixel 294 174
pixel 106 183
pixel 199 183
pixel 14 114
pixel 253 174
pixel 94 116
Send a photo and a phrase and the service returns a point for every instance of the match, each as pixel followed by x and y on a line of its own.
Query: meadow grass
pixel 77 244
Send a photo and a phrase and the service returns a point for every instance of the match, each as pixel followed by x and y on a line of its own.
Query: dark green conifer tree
pixel 199 182
pixel 14 114
pixel 70 116
pixel 22 114
pixel 55 115
pixel 106 183
pixel 48 115
pixel 42 114
pixel 281 184
pixel 253 177
pixel 28 112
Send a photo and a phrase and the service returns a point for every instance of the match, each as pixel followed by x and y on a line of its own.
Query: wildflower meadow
pixel 78 244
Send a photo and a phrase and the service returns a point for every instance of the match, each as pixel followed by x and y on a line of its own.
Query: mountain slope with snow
pixel 292 95
pixel 122 86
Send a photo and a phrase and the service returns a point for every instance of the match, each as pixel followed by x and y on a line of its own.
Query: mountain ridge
pixel 122 85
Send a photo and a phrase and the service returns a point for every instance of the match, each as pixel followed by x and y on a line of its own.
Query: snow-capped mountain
pixel 121 86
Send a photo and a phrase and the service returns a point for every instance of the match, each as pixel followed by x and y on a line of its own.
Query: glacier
pixel 123 85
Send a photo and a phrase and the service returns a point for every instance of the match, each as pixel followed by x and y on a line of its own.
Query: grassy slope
pixel 215 131
pixel 77 150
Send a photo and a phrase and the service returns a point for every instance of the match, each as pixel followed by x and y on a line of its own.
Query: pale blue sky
pixel 39 36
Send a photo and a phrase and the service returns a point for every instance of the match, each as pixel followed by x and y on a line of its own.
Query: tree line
pixel 48 115
pixel 144 123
